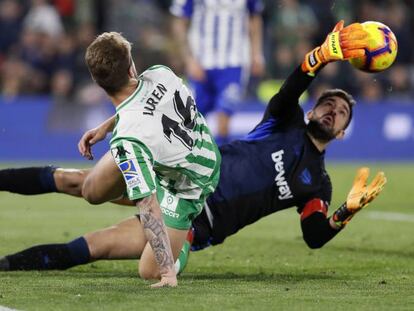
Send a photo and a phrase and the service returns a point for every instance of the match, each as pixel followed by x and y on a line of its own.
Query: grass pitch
pixel 266 266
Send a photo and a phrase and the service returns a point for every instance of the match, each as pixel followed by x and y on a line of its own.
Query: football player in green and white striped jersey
pixel 159 132
pixel 162 153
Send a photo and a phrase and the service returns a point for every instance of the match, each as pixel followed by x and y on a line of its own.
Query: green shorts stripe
pixel 136 168
pixel 145 166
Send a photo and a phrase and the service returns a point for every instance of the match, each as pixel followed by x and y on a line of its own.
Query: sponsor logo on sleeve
pixel 131 174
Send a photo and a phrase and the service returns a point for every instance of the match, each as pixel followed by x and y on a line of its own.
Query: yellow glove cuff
pixel 312 62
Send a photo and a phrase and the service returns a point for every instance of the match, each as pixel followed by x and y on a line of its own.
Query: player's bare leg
pixel 121 241
pixel 148 268
pixel 104 182
pixel 124 240
pixel 70 180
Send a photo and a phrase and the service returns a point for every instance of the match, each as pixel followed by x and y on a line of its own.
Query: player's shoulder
pixel 158 69
pixel 157 72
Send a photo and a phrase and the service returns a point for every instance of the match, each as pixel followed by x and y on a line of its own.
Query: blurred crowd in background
pixel 42 43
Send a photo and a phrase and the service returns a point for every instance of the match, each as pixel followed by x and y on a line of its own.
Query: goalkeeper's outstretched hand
pixel 341 44
pixel 360 195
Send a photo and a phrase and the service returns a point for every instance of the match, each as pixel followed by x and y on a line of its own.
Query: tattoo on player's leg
pixel 156 234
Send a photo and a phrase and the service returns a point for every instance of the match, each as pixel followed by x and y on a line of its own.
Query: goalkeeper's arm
pixel 317 229
pixel 340 44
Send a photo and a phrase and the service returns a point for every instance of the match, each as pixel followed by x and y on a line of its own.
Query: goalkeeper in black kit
pixel 278 165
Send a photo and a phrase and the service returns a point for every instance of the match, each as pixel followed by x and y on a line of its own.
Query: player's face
pixel 330 117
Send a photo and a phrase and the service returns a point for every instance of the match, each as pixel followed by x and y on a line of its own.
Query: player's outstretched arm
pixel 317 229
pixel 341 43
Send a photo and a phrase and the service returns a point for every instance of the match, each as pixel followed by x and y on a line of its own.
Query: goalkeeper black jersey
pixel 276 166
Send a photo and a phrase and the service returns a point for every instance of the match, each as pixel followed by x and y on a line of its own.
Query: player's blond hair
pixel 108 59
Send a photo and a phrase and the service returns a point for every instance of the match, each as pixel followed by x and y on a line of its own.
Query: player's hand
pixel 88 139
pixel 360 195
pixel 166 281
pixel 341 44
pixel 194 70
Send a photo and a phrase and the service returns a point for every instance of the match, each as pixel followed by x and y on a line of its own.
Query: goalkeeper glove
pixel 341 44
pixel 359 196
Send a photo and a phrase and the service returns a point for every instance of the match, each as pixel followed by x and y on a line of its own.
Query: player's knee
pixel 90 194
pixel 148 273
pixel 102 243
pixel 70 180
pixel 148 269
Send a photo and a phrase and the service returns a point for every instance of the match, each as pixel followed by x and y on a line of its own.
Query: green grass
pixel 266 266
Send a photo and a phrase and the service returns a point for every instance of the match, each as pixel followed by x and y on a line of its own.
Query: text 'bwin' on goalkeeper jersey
pixel 160 139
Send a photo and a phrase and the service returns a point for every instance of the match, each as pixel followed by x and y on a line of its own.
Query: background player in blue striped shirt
pixel 220 42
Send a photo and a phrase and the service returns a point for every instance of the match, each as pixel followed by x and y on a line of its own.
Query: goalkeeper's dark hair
pixel 342 94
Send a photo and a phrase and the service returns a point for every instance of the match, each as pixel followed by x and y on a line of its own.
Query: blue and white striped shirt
pixel 218 34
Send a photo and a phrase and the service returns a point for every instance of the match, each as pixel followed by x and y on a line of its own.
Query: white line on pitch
pixel 392 216
pixel 3 308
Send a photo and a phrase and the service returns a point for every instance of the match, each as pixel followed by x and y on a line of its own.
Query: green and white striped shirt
pixel 160 139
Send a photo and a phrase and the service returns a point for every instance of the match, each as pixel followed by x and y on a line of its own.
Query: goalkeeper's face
pixel 329 119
